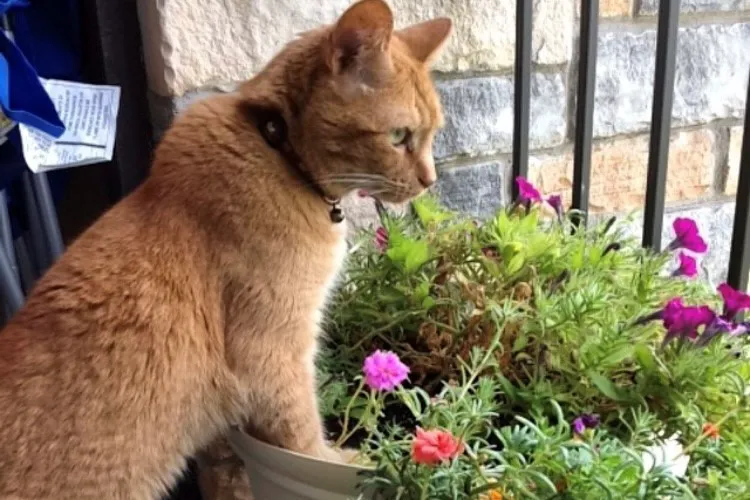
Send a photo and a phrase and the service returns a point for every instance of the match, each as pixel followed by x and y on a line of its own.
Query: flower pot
pixel 278 474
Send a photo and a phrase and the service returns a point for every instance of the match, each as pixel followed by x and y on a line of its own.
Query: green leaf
pixel 410 254
pixel 429 211
pixel 608 388
pixel 515 264
pixel 520 342
pixel 428 303
pixel 645 357
pixel 619 354
pixel 419 253
pixel 422 290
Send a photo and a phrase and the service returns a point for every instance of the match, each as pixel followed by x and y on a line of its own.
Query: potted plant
pixel 524 357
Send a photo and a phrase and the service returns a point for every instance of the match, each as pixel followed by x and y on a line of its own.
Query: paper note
pixel 89 113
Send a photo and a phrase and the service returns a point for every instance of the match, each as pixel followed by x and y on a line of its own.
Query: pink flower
pixel 687 236
pixel 688 266
pixel 384 371
pixel 381 239
pixel 734 301
pixel 527 193
pixel 435 446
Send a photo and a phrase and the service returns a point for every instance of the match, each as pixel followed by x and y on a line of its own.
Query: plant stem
pixel 342 439
pixel 703 436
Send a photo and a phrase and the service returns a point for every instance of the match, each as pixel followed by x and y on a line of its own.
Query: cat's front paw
pixel 337 455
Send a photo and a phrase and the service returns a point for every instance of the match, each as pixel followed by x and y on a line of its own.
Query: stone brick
pixel 687 6
pixel 711 79
pixel 618 176
pixel 479 114
pixel 361 212
pixel 733 160
pixel 191 44
pixel 614 8
pixel 479 190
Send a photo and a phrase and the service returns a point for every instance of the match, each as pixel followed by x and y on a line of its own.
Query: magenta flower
pixel 527 193
pixel 673 308
pixel 381 239
pixel 585 421
pixel 734 301
pixel 688 266
pixel 687 236
pixel 555 201
pixel 384 371
pixel 683 322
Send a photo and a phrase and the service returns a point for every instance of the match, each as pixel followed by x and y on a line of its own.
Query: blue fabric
pixel 48 33
pixel 7 4
pixel 22 95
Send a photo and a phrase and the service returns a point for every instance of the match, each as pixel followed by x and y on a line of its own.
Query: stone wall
pixel 194 47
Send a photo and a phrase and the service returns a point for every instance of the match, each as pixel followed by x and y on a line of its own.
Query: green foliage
pixel 511 329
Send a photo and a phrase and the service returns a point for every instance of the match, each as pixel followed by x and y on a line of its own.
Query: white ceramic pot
pixel 278 474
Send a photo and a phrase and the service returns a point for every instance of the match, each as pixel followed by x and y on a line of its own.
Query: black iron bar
pixel 585 104
pixel 739 255
pixel 522 93
pixel 661 119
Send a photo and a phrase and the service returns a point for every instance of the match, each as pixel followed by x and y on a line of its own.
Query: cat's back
pixel 108 339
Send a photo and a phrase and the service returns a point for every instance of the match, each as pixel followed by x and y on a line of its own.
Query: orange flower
pixel 711 430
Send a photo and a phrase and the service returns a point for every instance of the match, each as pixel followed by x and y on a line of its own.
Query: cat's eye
pixel 400 136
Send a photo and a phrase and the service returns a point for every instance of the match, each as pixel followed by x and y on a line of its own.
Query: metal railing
pixel 664 78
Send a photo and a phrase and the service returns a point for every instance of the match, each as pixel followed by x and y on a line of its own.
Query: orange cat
pixel 194 303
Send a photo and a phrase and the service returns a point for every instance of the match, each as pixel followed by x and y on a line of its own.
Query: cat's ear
pixel 360 41
pixel 426 40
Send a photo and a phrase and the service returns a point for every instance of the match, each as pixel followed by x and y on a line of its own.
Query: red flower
pixel 381 239
pixel 711 430
pixel 435 446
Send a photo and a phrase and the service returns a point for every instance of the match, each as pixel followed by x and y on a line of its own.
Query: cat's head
pixel 372 110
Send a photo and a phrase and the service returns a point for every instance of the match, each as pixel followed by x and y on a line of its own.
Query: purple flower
pixel 688 266
pixel 585 421
pixel 717 327
pixel 555 201
pixel 384 371
pixel 381 239
pixel 527 193
pixel 734 301
pixel 578 426
pixel 687 236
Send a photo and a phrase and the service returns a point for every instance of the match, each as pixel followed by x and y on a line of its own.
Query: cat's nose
pixel 427 174
pixel 427 180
